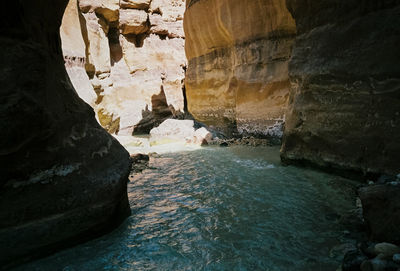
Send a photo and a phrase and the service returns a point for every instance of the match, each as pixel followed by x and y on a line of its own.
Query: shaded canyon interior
pixel 320 77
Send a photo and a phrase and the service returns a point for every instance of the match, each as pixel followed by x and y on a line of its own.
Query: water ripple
pixel 220 209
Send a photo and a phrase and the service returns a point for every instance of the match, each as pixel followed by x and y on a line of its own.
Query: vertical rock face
pixel 344 109
pixel 63 178
pixel 134 53
pixel 238 52
pixel 74 50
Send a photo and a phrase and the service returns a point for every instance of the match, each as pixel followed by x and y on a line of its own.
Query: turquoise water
pixel 222 209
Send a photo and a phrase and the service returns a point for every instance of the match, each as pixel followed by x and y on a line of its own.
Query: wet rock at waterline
pixel 63 177
pixel 139 162
pixel 179 131
pixel 372 257
pixel 381 211
pixel 353 260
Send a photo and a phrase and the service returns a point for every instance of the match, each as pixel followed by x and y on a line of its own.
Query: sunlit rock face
pixel 344 109
pixel 63 177
pixel 134 52
pixel 238 51
pixel 74 50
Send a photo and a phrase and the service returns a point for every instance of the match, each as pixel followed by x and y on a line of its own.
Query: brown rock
pixel 238 53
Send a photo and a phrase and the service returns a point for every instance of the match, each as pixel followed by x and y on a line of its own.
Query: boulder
pixel 179 131
pixel 386 250
pixel 353 260
pixel 381 211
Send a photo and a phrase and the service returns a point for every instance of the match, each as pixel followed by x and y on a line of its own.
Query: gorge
pixel 81 78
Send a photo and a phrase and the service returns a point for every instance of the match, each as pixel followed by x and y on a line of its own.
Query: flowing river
pixel 217 208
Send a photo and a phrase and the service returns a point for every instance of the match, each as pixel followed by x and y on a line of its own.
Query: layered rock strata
pixel 237 76
pixel 63 177
pixel 134 54
pixel 344 108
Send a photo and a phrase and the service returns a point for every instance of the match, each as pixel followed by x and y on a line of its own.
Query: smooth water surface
pixel 221 209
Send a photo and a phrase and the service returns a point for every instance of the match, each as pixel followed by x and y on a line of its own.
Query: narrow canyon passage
pixel 216 208
pixel 90 86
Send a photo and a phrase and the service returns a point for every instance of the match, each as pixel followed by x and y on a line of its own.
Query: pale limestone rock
pixel 82 85
pixel 70 31
pixel 202 136
pixel 136 4
pixel 171 10
pixel 157 62
pixel 98 47
pixel 173 131
pixel 128 69
pixel 73 47
pixel 133 21
pixel 167 28
pixel 109 9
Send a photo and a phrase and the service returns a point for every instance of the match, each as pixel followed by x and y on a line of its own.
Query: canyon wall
pixel 237 76
pixel 338 60
pixel 63 177
pixel 344 109
pixel 133 56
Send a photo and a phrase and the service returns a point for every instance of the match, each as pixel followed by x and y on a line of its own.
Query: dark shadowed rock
pixel 381 211
pixel 352 260
pixel 139 162
pixel 63 178
pixel 343 108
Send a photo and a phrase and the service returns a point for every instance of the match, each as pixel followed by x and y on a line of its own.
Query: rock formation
pixel 63 177
pixel 344 108
pixel 237 76
pixel 179 131
pixel 343 111
pixel 133 55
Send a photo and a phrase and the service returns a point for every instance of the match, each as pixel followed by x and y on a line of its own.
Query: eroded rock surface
pixel 133 49
pixel 63 177
pixel 344 108
pixel 238 51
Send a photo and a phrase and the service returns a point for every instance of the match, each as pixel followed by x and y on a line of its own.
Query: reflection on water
pixel 221 209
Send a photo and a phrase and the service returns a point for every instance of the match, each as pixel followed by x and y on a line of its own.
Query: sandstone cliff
pixel 63 178
pixel 238 51
pixel 344 109
pixel 134 57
